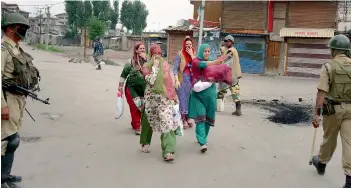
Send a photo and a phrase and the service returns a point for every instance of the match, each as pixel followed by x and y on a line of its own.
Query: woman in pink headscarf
pixel 160 96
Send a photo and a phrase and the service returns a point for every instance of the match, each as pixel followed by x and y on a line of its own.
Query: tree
pixel 114 14
pixel 96 28
pixel 134 15
pixel 79 13
pixel 101 10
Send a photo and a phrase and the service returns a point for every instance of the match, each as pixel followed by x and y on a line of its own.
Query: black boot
pixel 99 67
pixel 9 185
pixel 238 109
pixel 14 179
pixel 319 166
pixel 348 182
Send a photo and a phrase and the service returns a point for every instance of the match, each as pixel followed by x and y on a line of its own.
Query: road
pixel 76 142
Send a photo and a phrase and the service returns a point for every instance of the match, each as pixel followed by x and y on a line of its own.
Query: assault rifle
pixel 11 87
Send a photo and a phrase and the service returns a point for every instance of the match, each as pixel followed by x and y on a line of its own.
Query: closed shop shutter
pixel 306 56
pixel 312 14
pixel 244 15
pixel 252 54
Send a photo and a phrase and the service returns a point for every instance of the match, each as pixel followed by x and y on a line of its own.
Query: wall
pixel 344 16
pixel 213 10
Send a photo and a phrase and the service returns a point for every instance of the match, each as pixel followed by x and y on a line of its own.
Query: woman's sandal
pixel 203 148
pixel 168 157
pixel 137 132
pixel 145 148
pixel 190 124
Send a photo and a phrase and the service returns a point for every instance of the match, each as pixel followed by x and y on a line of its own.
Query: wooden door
pixel 273 57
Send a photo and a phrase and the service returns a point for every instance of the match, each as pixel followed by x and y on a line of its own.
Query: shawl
pixel 164 83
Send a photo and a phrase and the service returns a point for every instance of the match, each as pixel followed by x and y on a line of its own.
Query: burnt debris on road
pixel 285 112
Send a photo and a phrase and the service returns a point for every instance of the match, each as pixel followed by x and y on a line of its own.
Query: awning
pixel 307 32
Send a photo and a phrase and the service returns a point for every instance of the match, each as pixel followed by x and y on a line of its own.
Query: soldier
pixel 334 96
pixel 16 66
pixel 235 64
pixel 98 52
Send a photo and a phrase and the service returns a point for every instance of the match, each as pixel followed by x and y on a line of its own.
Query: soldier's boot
pixel 319 166
pixel 348 182
pixel 14 179
pixel 99 67
pixel 9 185
pixel 238 109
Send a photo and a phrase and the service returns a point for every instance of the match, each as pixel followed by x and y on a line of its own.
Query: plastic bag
pixel 200 86
pixel 120 101
pixel 220 105
pixel 120 105
pixel 177 121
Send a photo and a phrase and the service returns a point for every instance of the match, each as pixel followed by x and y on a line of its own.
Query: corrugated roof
pixel 307 32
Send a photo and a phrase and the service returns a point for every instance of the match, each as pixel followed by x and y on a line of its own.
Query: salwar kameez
pixel 202 108
pixel 159 100
pixel 184 89
pixel 134 91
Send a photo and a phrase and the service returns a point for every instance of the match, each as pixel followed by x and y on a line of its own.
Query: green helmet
pixel 339 42
pixel 14 18
pixel 229 37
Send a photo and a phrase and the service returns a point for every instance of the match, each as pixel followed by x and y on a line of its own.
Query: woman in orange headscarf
pixel 182 73
pixel 135 84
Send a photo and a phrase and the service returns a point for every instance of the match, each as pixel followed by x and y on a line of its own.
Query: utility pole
pixel 40 15
pixel 85 34
pixel 202 15
pixel 48 25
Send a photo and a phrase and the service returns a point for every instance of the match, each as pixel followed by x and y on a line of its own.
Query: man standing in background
pixel 98 52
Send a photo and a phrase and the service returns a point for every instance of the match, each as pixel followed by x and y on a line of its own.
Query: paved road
pixel 88 148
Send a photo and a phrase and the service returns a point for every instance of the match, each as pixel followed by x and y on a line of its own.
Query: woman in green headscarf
pixel 202 104
pixel 160 96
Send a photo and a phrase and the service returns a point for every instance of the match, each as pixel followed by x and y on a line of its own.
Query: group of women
pixel 152 89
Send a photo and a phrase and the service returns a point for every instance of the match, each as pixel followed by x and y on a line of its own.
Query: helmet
pixel 14 18
pixel 229 37
pixel 340 42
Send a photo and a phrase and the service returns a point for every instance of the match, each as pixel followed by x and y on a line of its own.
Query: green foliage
pixel 96 28
pixel 79 13
pixel 134 15
pixel 114 14
pixel 50 48
pixel 101 10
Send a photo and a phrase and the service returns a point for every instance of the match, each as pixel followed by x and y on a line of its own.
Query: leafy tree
pixel 101 10
pixel 96 28
pixel 134 15
pixel 114 14
pixel 79 13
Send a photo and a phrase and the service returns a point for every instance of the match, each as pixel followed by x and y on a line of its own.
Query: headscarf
pixel 184 52
pixel 200 53
pixel 164 82
pixel 135 59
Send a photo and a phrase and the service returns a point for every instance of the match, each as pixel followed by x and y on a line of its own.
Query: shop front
pixel 252 52
pixel 306 50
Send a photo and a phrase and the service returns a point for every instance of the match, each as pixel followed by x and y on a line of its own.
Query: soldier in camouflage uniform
pixel 334 93
pixel 17 67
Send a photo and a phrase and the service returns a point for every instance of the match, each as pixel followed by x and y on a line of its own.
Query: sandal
pixel 145 148
pixel 185 125
pixel 168 157
pixel 137 132
pixel 190 124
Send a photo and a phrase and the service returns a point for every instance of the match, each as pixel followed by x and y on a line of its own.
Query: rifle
pixel 11 87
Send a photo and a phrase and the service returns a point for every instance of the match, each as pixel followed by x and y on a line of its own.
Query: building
pixel 8 8
pixel 62 18
pixel 280 37
pixel 308 27
pixel 190 27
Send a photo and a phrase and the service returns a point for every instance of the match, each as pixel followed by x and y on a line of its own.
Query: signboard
pixel 207 24
pixel 245 35
pixel 306 32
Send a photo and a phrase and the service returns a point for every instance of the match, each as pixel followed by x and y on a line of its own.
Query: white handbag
pixel 200 86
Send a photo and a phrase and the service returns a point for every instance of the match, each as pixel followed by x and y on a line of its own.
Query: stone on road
pixel 77 143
